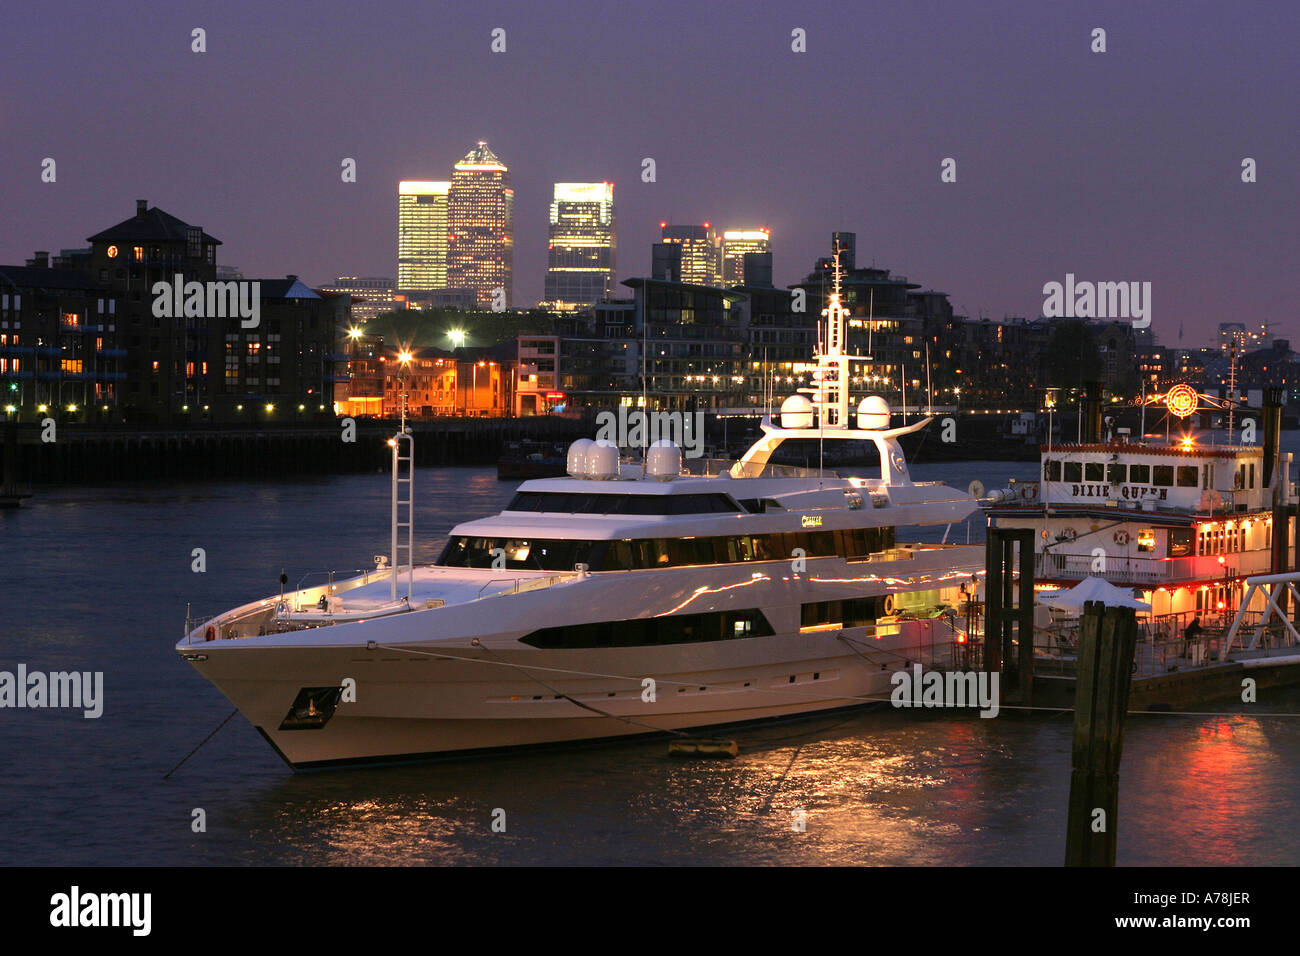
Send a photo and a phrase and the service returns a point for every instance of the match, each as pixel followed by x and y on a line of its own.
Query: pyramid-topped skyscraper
pixel 481 227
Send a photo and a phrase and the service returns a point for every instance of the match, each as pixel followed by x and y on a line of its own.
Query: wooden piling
pixel 1108 638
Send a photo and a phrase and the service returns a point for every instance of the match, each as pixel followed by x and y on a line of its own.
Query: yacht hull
pixel 421 702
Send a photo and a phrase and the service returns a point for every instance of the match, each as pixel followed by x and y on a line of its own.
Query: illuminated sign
pixel 1182 400
pixel 555 396
pixel 811 521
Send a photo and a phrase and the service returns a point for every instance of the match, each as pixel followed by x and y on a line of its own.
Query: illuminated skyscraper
pixel 421 235
pixel 701 252
pixel 735 243
pixel 580 260
pixel 481 226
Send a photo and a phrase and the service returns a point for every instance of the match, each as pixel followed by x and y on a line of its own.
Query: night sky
pixel 1117 166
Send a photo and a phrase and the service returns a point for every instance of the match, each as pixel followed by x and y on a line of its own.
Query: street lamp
pixel 404 357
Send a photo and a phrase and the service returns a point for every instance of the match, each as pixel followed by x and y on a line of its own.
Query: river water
pixel 98 579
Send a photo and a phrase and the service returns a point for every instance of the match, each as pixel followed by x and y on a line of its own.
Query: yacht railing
pixel 713 467
pixel 520 585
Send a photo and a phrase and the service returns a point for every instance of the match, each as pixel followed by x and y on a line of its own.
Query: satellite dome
pixel 602 460
pixel 577 460
pixel 873 413
pixel 796 412
pixel 663 461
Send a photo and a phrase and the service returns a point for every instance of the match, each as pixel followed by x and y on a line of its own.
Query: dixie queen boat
pixel 1187 524
pixel 626 598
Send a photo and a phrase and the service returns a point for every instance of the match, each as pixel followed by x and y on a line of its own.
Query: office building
pixel 701 251
pixel 480 227
pixel 736 243
pixel 581 246
pixel 422 235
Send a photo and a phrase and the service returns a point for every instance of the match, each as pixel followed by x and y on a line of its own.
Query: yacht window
pixel 1162 476
pixel 1094 471
pixel 1117 474
pixel 1146 541
pixel 654 631
pixel 614 504
pixel 1073 471
pixel 857 612
pixel 542 554
pixel 1052 470
pixel 1140 474
pixel 1187 477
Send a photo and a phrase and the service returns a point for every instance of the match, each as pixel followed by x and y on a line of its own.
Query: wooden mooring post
pixel 1107 640
pixel 1008 611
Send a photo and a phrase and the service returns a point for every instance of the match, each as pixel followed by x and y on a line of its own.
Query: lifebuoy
pixel 889 604
pixel 211 633
pixel 1121 537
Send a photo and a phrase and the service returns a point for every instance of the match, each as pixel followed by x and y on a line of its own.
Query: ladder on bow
pixel 403 445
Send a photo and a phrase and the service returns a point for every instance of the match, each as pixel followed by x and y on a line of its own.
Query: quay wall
pixel 89 454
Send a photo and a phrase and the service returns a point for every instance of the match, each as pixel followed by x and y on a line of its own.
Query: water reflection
pixel 98 579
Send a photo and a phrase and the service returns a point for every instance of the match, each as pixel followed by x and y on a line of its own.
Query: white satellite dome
pixel 873 413
pixel 577 460
pixel 796 412
pixel 602 460
pixel 663 460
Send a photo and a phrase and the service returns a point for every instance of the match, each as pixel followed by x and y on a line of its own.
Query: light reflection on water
pixel 98 579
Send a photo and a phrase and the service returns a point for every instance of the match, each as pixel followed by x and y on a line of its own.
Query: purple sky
pixel 1115 166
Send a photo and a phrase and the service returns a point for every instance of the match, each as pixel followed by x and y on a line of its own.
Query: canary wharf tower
pixel 480 226
pixel 580 247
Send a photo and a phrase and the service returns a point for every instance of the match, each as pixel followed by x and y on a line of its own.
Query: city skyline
pixel 1100 165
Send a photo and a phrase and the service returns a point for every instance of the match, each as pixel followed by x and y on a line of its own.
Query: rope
pixel 201 743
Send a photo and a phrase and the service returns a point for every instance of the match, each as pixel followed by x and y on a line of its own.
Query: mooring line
pixel 767 807
pixel 201 743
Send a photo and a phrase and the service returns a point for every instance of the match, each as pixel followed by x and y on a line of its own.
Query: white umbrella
pixel 1091 589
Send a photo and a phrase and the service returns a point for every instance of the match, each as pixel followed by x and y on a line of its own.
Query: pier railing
pixel 1160 648
pixel 1150 570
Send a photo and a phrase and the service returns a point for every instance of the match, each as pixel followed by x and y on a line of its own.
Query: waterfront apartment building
pixel 736 243
pixel 284 369
pixel 581 245
pixel 480 227
pixel 169 361
pixel 701 253
pixel 422 235
pixel 59 351
pixel 99 351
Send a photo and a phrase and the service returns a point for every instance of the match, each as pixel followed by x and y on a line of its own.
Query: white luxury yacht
pixel 627 598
